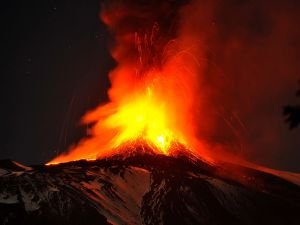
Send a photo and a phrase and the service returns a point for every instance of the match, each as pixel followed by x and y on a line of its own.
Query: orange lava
pixel 154 111
pixel 152 99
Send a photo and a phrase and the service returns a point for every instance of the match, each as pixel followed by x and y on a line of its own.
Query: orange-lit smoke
pixel 251 71
pixel 154 86
pixel 211 73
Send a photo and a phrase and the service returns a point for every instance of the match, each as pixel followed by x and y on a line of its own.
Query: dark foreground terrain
pixel 145 189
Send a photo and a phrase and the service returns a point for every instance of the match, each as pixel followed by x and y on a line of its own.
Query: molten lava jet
pixel 152 97
pixel 153 112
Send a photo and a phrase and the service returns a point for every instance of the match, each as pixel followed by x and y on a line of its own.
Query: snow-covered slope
pixel 146 189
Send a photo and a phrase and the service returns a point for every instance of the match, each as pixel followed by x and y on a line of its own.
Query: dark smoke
pixel 153 23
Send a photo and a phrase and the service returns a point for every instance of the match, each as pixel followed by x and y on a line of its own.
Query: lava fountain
pixel 153 92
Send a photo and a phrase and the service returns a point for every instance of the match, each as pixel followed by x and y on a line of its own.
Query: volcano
pixel 146 188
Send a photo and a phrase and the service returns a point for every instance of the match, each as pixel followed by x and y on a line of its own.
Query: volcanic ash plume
pixel 154 86
pixel 206 75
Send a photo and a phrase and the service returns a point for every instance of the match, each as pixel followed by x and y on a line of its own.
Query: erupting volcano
pixel 152 154
pixel 154 87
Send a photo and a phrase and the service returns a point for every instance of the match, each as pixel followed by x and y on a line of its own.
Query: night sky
pixel 55 61
pixel 55 68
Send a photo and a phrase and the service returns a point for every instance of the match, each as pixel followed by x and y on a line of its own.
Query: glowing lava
pixel 153 114
pixel 152 97
pixel 145 118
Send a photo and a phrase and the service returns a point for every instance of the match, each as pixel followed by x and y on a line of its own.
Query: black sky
pixel 55 61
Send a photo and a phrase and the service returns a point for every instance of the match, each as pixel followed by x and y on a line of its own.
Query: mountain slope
pixel 146 189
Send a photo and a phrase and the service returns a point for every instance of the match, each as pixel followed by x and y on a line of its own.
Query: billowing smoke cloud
pixel 252 55
pixel 149 24
pixel 240 61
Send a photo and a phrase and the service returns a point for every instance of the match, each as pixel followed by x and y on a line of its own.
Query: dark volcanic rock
pixel 146 189
pixel 10 165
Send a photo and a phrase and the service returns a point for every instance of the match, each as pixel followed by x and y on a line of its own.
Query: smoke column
pixel 238 61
